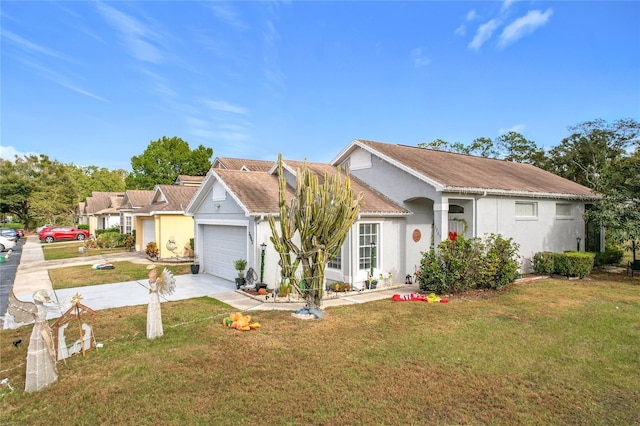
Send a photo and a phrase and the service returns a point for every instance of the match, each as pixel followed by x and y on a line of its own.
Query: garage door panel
pixel 223 245
pixel 148 232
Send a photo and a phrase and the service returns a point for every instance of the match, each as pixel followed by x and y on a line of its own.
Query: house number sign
pixel 416 235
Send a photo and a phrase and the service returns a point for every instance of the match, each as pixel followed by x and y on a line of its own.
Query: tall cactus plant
pixel 313 227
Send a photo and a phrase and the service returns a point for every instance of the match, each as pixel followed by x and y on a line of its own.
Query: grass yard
pixel 85 275
pixel 68 250
pixel 544 352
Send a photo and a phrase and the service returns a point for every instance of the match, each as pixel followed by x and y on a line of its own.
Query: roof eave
pixel 529 194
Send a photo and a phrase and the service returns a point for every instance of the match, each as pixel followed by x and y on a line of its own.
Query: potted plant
pixel 152 250
pixel 240 266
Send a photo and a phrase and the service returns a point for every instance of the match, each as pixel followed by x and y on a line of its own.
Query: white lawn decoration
pixel 162 285
pixel 41 356
pixel 75 314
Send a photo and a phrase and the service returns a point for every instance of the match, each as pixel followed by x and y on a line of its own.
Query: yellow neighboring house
pixel 163 221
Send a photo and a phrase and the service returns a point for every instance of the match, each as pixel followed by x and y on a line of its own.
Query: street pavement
pixel 8 268
pixel 32 275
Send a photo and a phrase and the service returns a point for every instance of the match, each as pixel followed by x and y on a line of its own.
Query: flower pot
pixel 195 269
pixel 240 282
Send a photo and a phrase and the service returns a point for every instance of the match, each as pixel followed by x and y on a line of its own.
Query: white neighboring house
pixel 100 210
pixel 413 197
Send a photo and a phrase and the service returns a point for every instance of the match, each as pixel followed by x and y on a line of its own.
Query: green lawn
pixel 68 250
pixel 85 275
pixel 544 352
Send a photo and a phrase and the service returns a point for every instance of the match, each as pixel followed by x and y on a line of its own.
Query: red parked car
pixel 62 233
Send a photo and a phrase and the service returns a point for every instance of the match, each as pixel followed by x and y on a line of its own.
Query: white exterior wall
pixel 545 232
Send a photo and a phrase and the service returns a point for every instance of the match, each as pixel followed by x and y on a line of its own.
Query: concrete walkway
pixel 32 275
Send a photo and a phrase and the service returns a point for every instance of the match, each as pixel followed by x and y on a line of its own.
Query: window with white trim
pixel 563 210
pixel 368 233
pixel 336 262
pixel 127 226
pixel 526 209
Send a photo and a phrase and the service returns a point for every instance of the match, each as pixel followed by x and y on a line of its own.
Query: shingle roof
pixel 114 204
pixel 466 173
pixel 259 192
pixel 372 200
pixel 136 198
pixel 170 199
pixel 189 180
pixel 242 163
pixel 99 201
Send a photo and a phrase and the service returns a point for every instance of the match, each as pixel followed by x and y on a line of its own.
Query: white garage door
pixel 148 232
pixel 223 245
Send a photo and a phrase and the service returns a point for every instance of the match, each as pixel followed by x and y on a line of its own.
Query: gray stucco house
pixel 412 199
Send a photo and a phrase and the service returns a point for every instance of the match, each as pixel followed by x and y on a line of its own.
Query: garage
pixel 223 245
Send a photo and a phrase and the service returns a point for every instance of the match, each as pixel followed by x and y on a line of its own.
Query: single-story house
pixel 100 210
pixel 133 200
pixel 413 198
pixel 163 221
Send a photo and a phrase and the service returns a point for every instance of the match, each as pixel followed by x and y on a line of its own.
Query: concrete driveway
pixel 32 274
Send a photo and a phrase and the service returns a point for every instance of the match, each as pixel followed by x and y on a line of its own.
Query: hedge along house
pixel 473 196
pixel 163 220
pixel 230 218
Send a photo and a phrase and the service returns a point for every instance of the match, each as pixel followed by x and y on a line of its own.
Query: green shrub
pixel 499 264
pixel 111 239
pixel 460 264
pixel 543 262
pixel 568 264
pixel 83 226
pixel 574 264
pixel 610 256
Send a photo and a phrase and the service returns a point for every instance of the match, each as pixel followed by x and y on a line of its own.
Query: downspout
pixel 475 213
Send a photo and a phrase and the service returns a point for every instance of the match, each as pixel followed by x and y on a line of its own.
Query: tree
pixel 512 146
pixel 38 190
pixel 54 197
pixel 15 190
pixel 582 156
pixel 619 209
pixel 483 147
pixel 164 160
pixel 92 178
pixel 314 227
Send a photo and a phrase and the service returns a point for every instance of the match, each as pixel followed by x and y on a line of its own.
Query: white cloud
pixel 462 30
pixel 138 37
pixel 419 59
pixel 484 33
pixel 471 15
pixel 33 47
pixel 524 25
pixel 228 15
pixel 518 128
pixel 224 106
pixel 506 4
pixel 10 153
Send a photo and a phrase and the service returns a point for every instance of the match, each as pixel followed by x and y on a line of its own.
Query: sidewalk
pixel 32 275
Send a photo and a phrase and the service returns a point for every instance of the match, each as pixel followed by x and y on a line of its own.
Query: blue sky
pixel 93 82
